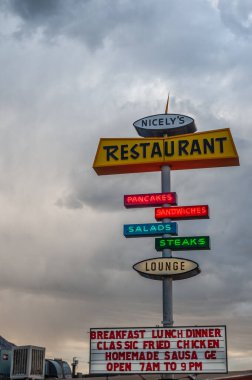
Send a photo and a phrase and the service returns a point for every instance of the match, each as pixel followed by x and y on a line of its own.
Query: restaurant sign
pixel 154 350
pixel 191 151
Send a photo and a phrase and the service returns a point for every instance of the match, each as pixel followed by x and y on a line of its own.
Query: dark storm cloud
pixel 35 11
pixel 132 25
pixel 142 30
pixel 90 21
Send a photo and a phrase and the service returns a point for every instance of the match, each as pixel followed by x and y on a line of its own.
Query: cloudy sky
pixel 73 71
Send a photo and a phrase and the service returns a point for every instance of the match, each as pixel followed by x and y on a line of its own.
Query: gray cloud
pixel 237 16
pixel 86 20
pixel 35 10
pixel 72 74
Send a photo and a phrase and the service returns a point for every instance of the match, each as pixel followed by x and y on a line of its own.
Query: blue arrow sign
pixel 150 229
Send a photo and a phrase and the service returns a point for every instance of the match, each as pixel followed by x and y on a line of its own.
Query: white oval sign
pixel 174 267
pixel 164 124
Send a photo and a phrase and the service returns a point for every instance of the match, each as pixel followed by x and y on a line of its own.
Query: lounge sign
pixel 191 151
pixel 173 267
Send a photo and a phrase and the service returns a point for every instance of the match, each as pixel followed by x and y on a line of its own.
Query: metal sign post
pixel 167 282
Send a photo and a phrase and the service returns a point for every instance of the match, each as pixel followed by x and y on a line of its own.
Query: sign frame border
pixel 157 327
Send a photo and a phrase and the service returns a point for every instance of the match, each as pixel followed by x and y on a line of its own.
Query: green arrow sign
pixel 183 243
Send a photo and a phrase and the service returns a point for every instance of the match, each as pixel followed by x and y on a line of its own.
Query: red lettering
pixel 184 212
pixel 142 366
pixel 92 335
pixel 161 344
pixel 109 366
pixel 131 345
pixel 118 367
pixel 183 366
pixel 190 211
pixel 148 344
pixel 180 333
pixel 117 345
pixel 167 355
pixel 99 335
pixel 130 334
pixel 210 355
pixel 170 366
pixel 213 343
pixel 138 200
pixel 150 367
pixel 204 210
pixel 195 344
pixel 195 366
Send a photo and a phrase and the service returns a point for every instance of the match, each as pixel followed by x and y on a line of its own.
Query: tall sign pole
pixel 167 282
pixel 167 142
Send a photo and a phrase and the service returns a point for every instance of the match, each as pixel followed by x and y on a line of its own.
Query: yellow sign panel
pixel 191 151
